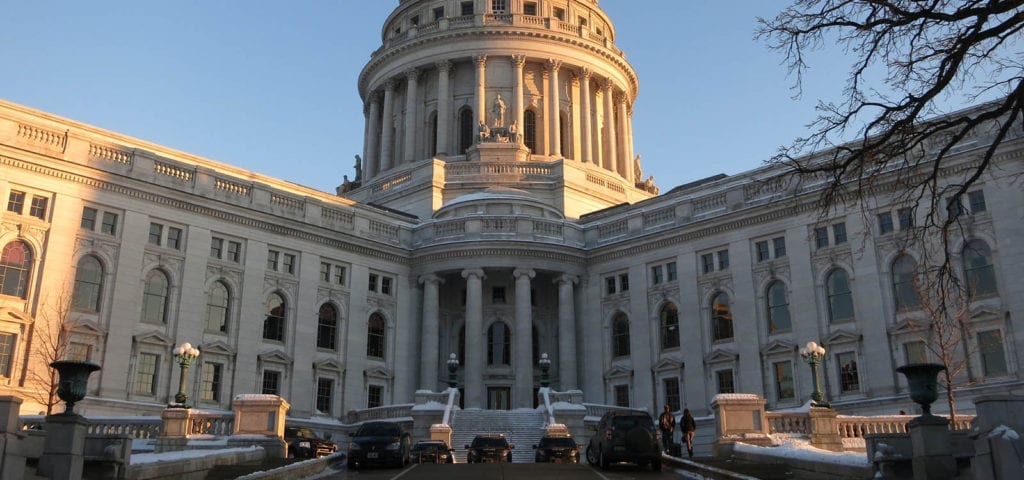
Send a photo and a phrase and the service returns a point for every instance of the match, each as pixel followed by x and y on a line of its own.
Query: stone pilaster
pixel 371 155
pixel 411 96
pixel 586 115
pixel 554 127
pixel 523 336
pixel 566 331
pixel 481 89
pixel 429 360
pixel 387 141
pixel 474 361
pixel 518 62
pixel 444 106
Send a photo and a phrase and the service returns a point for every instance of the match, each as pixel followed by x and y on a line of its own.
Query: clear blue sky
pixel 271 86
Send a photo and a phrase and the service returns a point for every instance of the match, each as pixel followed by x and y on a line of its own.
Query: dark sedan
pixel 303 443
pixel 379 443
pixel 432 451
pixel 557 449
pixel 493 448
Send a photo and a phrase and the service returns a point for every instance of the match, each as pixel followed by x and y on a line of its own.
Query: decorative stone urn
pixel 73 380
pixel 921 377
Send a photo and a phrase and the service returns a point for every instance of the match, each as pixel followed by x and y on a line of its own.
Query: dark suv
pixel 625 436
pixel 490 448
pixel 379 443
pixel 303 443
pixel 556 449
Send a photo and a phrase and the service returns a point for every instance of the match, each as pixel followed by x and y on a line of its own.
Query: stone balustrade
pixel 386 412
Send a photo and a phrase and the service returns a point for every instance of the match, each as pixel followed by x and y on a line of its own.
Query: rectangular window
pixel 672 393
pixel 821 237
pixel 993 357
pixel 498 295
pixel 582 21
pixel 325 272
pixel 783 372
pixel 372 282
pixel 915 352
pixel 955 207
pixel 848 379
pixel 707 262
pixel 209 389
pixel 622 396
pixel 271 382
pixel 174 236
pixel 374 396
pixel 977 201
pixel 216 247
pixel 609 285
pixel 38 207
pixel 885 223
pixel 79 352
pixel 466 8
pixel 530 8
pixel 656 275
pixel 670 272
pixel 723 259
pixel 324 395
pixel 779 244
pixel 438 13
pixel 339 274
pixel 905 217
pixel 839 233
pixel 385 285
pixel 415 20
pixel 145 374
pixel 156 233
pixel 89 218
pixel 6 353
pixel 235 251
pixel 762 251
pixel 289 264
pixel 109 225
pixel 16 202
pixel 559 13
pixel 499 6
pixel 273 257
pixel 624 282
pixel 725 381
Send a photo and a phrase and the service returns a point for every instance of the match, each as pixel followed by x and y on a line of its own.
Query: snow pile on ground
pixel 797 447
pixel 183 454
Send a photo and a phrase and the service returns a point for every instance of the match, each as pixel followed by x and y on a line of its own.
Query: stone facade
pixel 336 303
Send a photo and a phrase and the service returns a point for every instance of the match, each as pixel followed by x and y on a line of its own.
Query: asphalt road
pixel 499 471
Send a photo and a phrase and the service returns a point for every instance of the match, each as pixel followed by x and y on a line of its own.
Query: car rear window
pixel 627 422
pixel 489 442
pixel 377 430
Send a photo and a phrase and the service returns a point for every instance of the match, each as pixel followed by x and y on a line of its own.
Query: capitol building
pixel 498 213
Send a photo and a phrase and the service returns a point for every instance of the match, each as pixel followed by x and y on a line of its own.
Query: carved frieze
pixel 612 303
pixel 175 264
pixel 336 295
pixel 386 305
pixel 90 244
pixel 765 271
pixel 660 294
pixel 215 271
pixel 711 283
pixel 824 259
pixel 277 282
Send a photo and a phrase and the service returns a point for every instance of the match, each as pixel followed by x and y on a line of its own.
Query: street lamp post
pixel 185 353
pixel 453 365
pixel 545 367
pixel 813 354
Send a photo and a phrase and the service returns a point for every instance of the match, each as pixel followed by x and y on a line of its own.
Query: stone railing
pixel 211 423
pixel 549 417
pixel 464 169
pixel 852 426
pixel 596 411
pixel 387 412
pixel 789 423
pixel 173 171
pixel 235 188
pixel 135 427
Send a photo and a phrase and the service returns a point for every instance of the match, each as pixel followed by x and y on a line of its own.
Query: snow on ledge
pixel 738 396
pixel 799 448
pixel 148 458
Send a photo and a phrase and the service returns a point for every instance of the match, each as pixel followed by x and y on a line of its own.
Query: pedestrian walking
pixel 689 428
pixel 667 424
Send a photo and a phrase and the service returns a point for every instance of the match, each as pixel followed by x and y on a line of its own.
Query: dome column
pixel 429 349
pixel 444 106
pixel 387 141
pixel 567 331
pixel 481 90
pixel 518 61
pixel 411 94
pixel 624 168
pixel 522 396
pixel 610 145
pixel 554 127
pixel 370 158
pixel 475 340
pixel 630 155
pixel 585 116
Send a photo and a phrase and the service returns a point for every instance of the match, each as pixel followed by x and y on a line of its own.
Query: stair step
pixel 522 428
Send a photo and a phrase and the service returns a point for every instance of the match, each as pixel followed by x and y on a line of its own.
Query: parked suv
pixel 379 443
pixel 489 448
pixel 625 436
pixel 556 449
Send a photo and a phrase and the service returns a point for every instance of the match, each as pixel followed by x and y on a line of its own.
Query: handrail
pixel 448 408
pixel 544 392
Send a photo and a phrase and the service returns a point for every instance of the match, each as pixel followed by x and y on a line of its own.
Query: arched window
pixel 978 271
pixel 327 327
pixel 903 270
pixel 432 134
pixel 376 334
pixel 273 325
pixel 88 285
pixel 217 301
pixel 154 298
pixel 778 308
pixel 466 126
pixel 499 344
pixel 15 266
pixel 840 299
pixel 620 336
pixel 721 318
pixel 530 130
pixel 669 326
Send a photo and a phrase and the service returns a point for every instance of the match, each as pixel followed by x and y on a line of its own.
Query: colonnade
pixel 604 128
pixel 522 347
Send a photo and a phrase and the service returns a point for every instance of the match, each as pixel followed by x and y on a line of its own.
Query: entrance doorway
pixel 499 398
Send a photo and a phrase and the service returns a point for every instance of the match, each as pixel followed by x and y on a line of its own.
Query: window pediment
pixel 153 338
pixel 14 316
pixel 778 347
pixel 217 348
pixel 843 336
pixel 668 364
pixel 379 373
pixel 984 312
pixel 329 365
pixel 275 356
pixel 618 371
pixel 721 355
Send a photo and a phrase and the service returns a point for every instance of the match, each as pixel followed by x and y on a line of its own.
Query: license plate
pixel 304 444
pixel 371 455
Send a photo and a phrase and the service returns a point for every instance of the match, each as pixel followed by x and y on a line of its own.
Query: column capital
pixel 412 74
pixel 566 278
pixel 609 84
pixel 431 278
pixel 389 85
pixel 443 66
pixel 586 73
pixel 575 79
pixel 473 272
pixel 518 61
pixel 554 65
pixel 520 272
pixel 481 60
pixel 620 98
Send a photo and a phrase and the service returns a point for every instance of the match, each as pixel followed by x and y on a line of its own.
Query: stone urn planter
pixel 73 380
pixel 924 386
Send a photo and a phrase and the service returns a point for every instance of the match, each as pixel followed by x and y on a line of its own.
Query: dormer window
pixel 530 8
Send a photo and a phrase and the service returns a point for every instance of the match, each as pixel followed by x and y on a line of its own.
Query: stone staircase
pixel 523 428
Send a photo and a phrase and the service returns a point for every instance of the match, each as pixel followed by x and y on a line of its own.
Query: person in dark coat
pixel 689 429
pixel 667 424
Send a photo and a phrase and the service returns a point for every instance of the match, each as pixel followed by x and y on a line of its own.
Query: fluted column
pixel 610 145
pixel 630 154
pixel 411 95
pixel 518 61
pixel 481 89
pixel 567 332
pixel 556 108
pixel 371 157
pixel 429 360
pixel 444 106
pixel 474 362
pixel 523 338
pixel 585 116
pixel 543 132
pixel 624 167
pixel 387 141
